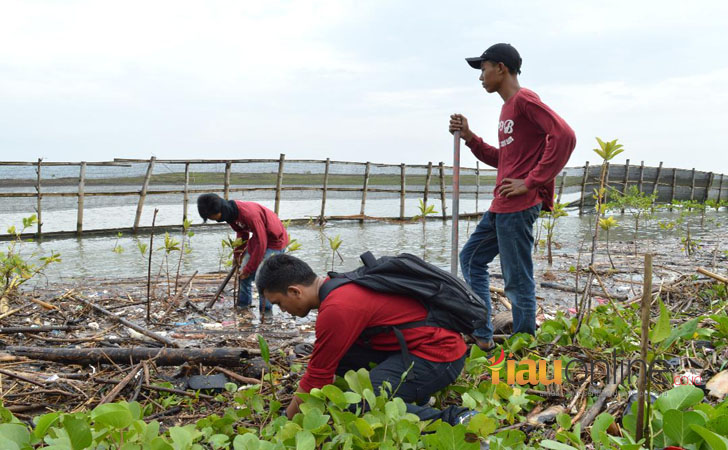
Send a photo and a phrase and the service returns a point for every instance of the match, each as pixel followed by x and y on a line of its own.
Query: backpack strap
pixel 330 285
pixel 397 330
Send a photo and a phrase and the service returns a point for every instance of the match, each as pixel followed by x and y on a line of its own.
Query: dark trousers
pixel 429 377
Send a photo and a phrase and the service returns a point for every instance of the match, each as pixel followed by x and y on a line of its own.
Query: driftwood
pixel 596 408
pixel 712 275
pixel 223 356
pixel 11 330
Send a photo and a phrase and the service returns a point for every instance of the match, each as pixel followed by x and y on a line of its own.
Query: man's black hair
pixel 208 204
pixel 279 272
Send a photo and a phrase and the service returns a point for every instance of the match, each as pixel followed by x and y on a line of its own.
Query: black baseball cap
pixel 505 53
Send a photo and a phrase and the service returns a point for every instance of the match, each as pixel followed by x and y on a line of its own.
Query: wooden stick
pixel 322 217
pixel 176 297
pixel 143 194
pixel 42 303
pixel 160 389
pixel 226 185
pixel 692 185
pixel 12 330
pixel 235 376
pixel 402 192
pixel 626 181
pixel 674 182
pixel 40 195
pixel 221 287
pixel 583 188
pixel 645 317
pixel 561 186
pixel 711 175
pixel 657 179
pixel 81 189
pixel 131 325
pixel 108 398
pixel 477 184
pixel 596 408
pixel 279 183
pixel 443 201
pixel 149 267
pixel 712 275
pixel 428 177
pixel 364 191
pixel 186 199
pixel 642 175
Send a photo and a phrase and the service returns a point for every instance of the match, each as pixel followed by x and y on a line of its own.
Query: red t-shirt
pixel 535 145
pixel 351 308
pixel 268 232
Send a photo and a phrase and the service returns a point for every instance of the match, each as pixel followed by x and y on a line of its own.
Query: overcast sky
pixel 353 80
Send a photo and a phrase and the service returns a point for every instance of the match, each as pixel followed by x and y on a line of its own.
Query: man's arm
pixel 295 405
pixel 560 142
pixel 484 152
pixel 256 246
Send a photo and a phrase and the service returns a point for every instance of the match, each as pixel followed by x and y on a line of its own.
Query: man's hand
pixel 458 122
pixel 243 273
pixel 293 407
pixel 512 187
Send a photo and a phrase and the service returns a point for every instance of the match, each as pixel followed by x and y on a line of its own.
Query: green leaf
pixel 684 330
pixel 599 429
pixel 482 425
pixel 264 351
pixel 715 441
pixel 564 421
pixel 676 425
pixel 364 428
pixel 114 415
pixel 662 327
pixel 335 395
pixel 79 433
pixel 44 422
pixel 556 445
pixel 680 398
pixel 305 440
pixel 181 438
pixel 15 433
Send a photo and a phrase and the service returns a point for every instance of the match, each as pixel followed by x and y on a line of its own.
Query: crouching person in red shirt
pixel 438 354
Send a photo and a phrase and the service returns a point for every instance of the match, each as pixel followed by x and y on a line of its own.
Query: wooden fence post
pixel 477 184
pixel 657 179
pixel 402 192
pixel 364 191
pixel 279 183
pixel 227 180
pixel 561 186
pixel 428 177
pixel 626 181
pixel 81 192
pixel 443 201
pixel 720 187
pixel 606 183
pixel 583 188
pixel 40 195
pixel 186 198
pixel 322 219
pixel 642 175
pixel 692 186
pixel 143 194
pixel 708 186
pixel 672 191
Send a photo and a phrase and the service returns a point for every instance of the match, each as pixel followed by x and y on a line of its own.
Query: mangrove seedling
pixel 607 224
pixel 637 203
pixel 334 244
pixel 550 224
pixel 15 268
pixel 118 249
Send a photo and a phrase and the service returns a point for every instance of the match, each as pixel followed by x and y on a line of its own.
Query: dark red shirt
pixel 349 309
pixel 266 227
pixel 534 144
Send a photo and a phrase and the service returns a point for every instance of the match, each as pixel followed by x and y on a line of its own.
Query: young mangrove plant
pixel 550 224
pixel 334 244
pixel 637 203
pixel 118 249
pixel 607 224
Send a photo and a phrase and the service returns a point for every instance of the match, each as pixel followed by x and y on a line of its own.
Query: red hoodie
pixel 268 232
pixel 535 145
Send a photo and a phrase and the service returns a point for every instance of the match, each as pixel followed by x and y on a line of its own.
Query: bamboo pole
pixel 708 186
pixel 692 186
pixel 646 306
pixel 39 195
pixel 443 201
pixel 455 204
pixel 322 218
pixel 226 186
pixel 81 191
pixel 626 181
pixel 428 177
pixel 672 191
pixel 364 191
pixel 143 193
pixel 186 199
pixel 402 191
pixel 642 175
pixel 279 183
pixel 583 188
pixel 477 184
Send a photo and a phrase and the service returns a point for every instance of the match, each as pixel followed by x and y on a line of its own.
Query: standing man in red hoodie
pixel 269 236
pixel 534 146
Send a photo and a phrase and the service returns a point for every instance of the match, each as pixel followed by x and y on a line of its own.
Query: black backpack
pixel 449 301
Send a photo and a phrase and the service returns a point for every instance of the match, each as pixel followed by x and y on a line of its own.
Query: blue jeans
pixel 245 294
pixel 511 236
pixel 429 377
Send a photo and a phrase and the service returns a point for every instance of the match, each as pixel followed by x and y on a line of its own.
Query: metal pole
pixel 455 203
